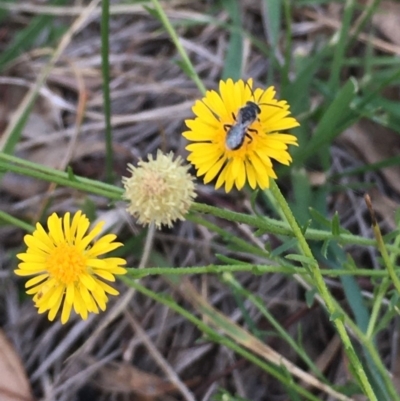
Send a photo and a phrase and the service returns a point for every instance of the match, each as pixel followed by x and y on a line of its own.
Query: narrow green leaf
pixel 341 44
pixel 228 260
pixel 302 195
pixel 153 12
pixel 335 224
pixel 337 315
pixel 184 67
pixel 350 264
pixel 298 92
pixel 310 295
pixel 286 245
pixel 253 198
pixel 70 173
pixel 300 258
pixel 234 56
pixel 319 218
pixel 105 71
pixel 25 38
pixel 324 248
pixel 305 226
pixel 272 11
pixel 327 129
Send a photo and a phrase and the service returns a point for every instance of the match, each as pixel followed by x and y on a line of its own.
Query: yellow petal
pixel 214 102
pixel 56 233
pixel 204 113
pixel 251 176
pixel 53 311
pixel 213 171
pixel 241 176
pixel 36 280
pixel 221 178
pixel 66 312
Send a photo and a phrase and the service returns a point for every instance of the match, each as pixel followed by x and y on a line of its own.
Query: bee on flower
pixel 237 133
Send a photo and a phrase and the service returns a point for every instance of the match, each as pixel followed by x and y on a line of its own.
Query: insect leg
pixel 249 136
pixel 252 130
pixel 229 126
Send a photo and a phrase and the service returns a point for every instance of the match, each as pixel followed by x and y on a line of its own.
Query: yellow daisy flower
pixel 236 133
pixel 68 269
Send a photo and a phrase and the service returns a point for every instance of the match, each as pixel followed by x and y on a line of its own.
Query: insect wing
pixel 235 136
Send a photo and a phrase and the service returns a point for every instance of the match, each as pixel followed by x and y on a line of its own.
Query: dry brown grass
pixel 138 349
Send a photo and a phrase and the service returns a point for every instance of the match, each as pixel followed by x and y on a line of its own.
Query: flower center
pixel 66 263
pixel 154 185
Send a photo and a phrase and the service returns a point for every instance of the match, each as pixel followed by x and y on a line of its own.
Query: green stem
pixel 240 243
pixel 368 343
pixel 385 256
pixel 288 16
pixel 79 183
pixel 189 69
pixel 389 263
pixel 266 224
pixel 341 45
pixel 219 338
pixel 262 223
pixel 377 308
pixel 105 68
pixel 259 303
pixel 34 170
pixel 16 222
pixel 325 294
pixel 255 269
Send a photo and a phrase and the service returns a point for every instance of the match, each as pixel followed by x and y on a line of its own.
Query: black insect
pixel 235 133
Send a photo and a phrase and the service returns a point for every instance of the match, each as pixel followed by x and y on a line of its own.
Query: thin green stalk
pixel 369 345
pixel 393 256
pixel 254 221
pixel 219 338
pixel 382 290
pixel 19 118
pixel 242 244
pixel 365 17
pixel 262 223
pixel 188 66
pixel 79 183
pixel 287 12
pixel 28 168
pixel 377 89
pixel 105 69
pixel 376 309
pixel 389 263
pixel 325 295
pixel 260 269
pixel 381 245
pixel 270 225
pixel 24 167
pixel 255 269
pixel 236 286
pixel 7 218
pixel 341 45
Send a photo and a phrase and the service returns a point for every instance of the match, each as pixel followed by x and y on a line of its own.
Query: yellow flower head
pixel 236 133
pixel 68 269
pixel 160 190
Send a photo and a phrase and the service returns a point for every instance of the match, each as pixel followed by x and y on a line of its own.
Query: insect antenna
pixel 260 104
